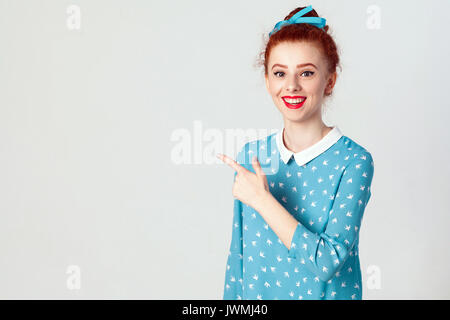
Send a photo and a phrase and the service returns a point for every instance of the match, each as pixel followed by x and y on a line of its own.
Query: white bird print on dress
pixel 311 254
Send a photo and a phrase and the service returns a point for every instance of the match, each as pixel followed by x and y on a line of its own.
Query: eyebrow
pixel 298 66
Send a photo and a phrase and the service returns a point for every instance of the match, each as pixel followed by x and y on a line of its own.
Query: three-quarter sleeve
pixel 325 253
pixel 233 276
pixel 233 288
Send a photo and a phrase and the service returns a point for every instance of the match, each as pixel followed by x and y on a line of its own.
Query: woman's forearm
pixel 277 217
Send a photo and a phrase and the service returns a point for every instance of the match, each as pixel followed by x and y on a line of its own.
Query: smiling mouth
pixel 294 102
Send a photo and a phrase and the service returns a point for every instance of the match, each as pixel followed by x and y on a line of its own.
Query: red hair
pixel 303 32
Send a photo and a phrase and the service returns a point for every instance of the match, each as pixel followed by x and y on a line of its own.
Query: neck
pixel 300 136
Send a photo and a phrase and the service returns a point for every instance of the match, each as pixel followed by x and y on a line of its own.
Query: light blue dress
pixel 326 187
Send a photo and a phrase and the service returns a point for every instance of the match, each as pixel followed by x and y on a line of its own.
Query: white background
pixel 87 176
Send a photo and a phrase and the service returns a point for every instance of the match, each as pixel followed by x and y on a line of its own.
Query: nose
pixel 292 84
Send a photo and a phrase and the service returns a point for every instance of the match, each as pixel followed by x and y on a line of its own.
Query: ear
pixel 331 82
pixel 267 82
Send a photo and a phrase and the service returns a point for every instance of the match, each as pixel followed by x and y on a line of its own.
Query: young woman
pixel 296 223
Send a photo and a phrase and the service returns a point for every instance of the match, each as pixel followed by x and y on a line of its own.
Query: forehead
pixel 293 53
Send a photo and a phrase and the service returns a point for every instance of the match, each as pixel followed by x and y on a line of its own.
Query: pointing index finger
pixel 236 166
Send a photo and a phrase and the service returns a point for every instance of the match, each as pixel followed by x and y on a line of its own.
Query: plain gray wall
pixel 88 175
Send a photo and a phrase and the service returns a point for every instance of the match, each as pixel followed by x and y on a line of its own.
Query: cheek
pixel 274 87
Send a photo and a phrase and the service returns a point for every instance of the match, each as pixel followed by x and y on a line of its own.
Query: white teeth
pixel 294 100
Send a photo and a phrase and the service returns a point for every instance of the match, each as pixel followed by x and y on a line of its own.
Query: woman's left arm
pixel 325 253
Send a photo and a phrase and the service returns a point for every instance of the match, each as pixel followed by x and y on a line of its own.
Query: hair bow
pixel 297 18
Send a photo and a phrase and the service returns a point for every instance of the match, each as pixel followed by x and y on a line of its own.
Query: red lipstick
pixel 294 105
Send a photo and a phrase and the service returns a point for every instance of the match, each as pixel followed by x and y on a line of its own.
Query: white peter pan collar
pixel 311 152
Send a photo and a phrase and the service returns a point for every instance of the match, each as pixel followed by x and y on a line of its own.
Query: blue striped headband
pixel 297 18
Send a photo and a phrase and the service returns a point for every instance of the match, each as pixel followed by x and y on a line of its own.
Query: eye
pixel 275 73
pixel 311 72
